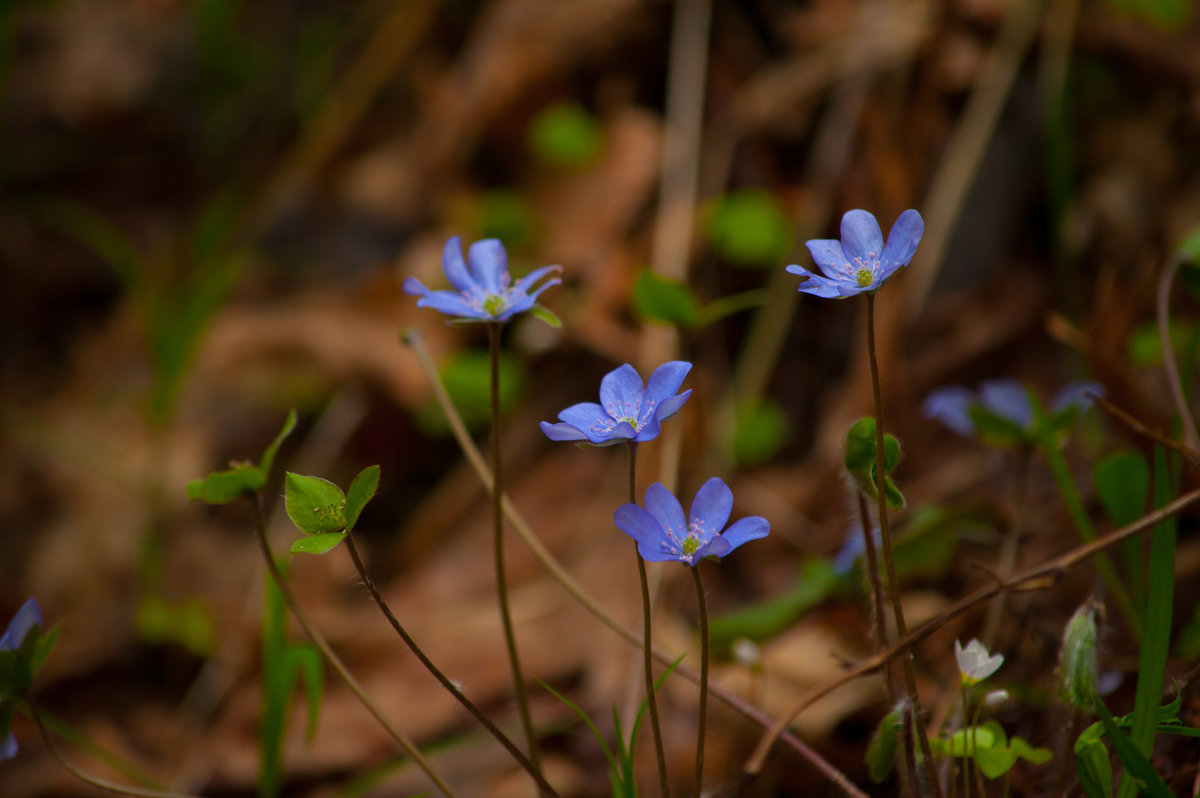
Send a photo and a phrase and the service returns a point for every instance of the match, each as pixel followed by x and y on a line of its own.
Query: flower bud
pixel 1077 659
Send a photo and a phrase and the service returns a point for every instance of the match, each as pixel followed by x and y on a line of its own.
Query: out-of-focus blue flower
pixel 854 546
pixel 1006 401
pixel 860 263
pixel 664 534
pixel 627 410
pixel 483 288
pixel 29 616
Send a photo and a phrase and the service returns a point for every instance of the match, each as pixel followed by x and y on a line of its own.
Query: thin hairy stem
pixel 319 640
pixel 886 540
pixel 703 602
pixel 83 775
pixel 454 690
pixel 510 640
pixel 1169 365
pixel 647 652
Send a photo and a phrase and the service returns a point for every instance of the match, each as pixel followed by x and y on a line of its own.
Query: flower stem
pixel 454 690
pixel 1169 365
pixel 872 569
pixel 320 642
pixel 886 540
pixel 647 650
pixel 510 640
pixel 703 602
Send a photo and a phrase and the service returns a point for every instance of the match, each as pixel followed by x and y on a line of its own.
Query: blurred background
pixel 206 212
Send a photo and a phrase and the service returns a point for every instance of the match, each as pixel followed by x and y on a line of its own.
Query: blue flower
pixel 484 291
pixel 663 533
pixel 627 411
pixel 1006 401
pixel 860 263
pixel 29 616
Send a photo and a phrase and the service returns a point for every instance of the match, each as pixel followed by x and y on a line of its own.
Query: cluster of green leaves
pixel 18 668
pixel 1093 763
pixel 322 512
pixel 861 461
pixel 990 747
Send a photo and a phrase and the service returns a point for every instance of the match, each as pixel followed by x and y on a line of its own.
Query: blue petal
pixel 488 262
pixel 561 432
pixel 829 255
pixel 29 616
pixel 453 266
pixel 670 406
pixel 666 379
pixel 717 547
pixel 640 525
pixel 663 505
pixel 1076 396
pixel 815 284
pixel 8 747
pixel 746 529
pixel 902 242
pixel 450 303
pixel 861 238
pixel 649 428
pixel 527 282
pixel 1008 399
pixel 620 390
pixel 949 406
pixel 514 304
pixel 712 506
pixel 590 419
pixel 414 287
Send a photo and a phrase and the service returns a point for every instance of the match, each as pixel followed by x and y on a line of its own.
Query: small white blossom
pixel 974 663
pixel 995 698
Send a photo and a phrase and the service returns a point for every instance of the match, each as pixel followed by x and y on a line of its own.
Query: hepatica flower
pixel 664 534
pixel 483 288
pixel 974 662
pixel 29 616
pixel 1003 410
pixel 860 263
pixel 628 411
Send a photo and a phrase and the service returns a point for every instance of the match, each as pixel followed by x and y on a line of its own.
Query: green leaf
pixel 222 487
pixel 760 431
pixel 318 544
pixel 315 505
pixel 268 459
pixel 1123 485
pixel 1092 763
pixel 189 624
pixel 996 430
pixel 861 461
pixel 1145 343
pixel 747 228
pixel 1139 773
pixel 467 377
pixel 658 298
pixel 14 673
pixel 881 754
pixel 545 314
pixel 361 491
pixel 565 134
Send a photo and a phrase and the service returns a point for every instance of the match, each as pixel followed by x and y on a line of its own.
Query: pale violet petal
pixel 663 505
pixel 666 379
pixel 949 405
pixel 712 506
pixel 828 254
pixel 902 241
pixel 453 266
pixel 561 432
pixel 451 304
pixel 671 405
pixel 488 263
pixel 746 529
pixel 621 392
pixel 1008 399
pixel 27 617
pixel 861 239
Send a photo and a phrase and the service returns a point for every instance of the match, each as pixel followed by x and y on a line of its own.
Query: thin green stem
pixel 1170 367
pixel 510 640
pixel 454 690
pixel 703 602
pixel 320 642
pixel 647 639
pixel 886 540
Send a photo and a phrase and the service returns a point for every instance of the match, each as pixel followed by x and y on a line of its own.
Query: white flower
pixel 974 664
pixel 995 698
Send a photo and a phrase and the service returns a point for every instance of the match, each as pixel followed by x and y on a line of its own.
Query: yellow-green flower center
pixel 493 304
pixel 690 544
pixel 864 277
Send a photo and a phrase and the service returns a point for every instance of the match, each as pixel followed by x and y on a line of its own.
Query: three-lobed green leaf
pixel 315 505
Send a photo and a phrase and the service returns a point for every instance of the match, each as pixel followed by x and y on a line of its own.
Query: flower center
pixel 864 277
pixel 494 304
pixel 690 545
